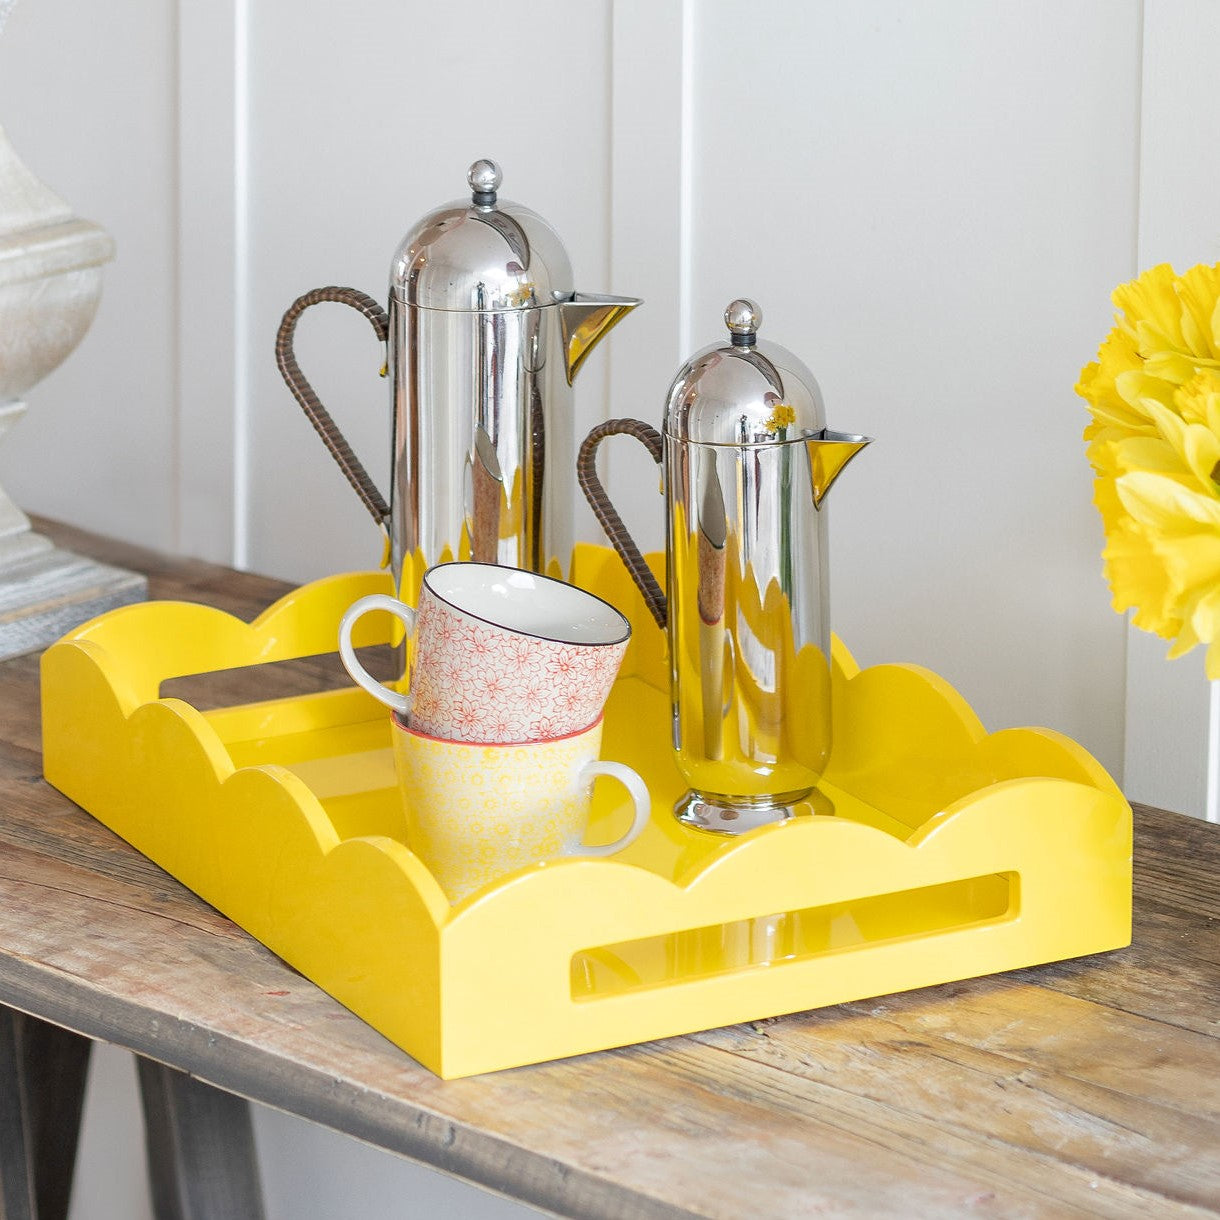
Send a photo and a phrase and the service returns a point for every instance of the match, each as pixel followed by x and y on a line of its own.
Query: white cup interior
pixel 527 603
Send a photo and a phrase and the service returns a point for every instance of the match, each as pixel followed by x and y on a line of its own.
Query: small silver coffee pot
pixel 747 462
pixel 485 335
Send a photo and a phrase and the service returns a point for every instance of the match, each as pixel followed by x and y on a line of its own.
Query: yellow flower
pixel 1154 445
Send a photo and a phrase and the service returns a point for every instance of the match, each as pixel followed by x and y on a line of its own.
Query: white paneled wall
pixel 931 200
pixel 917 224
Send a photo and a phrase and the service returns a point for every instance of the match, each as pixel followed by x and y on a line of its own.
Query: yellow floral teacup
pixel 475 812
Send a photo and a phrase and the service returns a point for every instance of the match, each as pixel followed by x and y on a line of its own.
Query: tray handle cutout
pixel 793 936
pixel 217 689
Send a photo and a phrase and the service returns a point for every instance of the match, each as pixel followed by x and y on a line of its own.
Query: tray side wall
pixel 1068 845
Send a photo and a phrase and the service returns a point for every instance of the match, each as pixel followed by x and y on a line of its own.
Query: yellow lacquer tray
pixel 949 852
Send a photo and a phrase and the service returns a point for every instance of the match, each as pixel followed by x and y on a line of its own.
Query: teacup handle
pixel 638 792
pixel 375 601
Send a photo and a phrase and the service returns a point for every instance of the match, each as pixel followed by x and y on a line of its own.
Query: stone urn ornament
pixel 50 284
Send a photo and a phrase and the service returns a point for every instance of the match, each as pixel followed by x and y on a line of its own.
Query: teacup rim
pixel 400 724
pixel 533 635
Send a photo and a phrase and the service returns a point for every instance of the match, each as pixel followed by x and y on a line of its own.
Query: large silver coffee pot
pixel 485 334
pixel 747 463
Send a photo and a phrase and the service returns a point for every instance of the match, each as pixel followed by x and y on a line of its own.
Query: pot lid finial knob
pixel 484 177
pixel 743 317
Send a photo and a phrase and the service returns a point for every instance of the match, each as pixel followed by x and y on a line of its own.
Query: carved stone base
pixel 48 592
pixel 14 524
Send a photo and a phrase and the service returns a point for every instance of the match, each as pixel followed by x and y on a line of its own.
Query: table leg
pixel 16 1180
pixel 55 1063
pixel 43 1070
pixel 201 1158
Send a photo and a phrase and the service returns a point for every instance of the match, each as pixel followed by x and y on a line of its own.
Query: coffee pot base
pixel 737 815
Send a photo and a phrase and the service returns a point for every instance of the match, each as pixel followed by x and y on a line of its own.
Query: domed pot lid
pixel 744 391
pixel 482 254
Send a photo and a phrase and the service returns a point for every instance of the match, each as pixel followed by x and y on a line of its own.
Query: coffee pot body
pixel 747 462
pixel 484 336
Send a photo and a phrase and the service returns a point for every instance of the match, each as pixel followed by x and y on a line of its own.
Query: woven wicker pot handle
pixel 303 392
pixel 607 514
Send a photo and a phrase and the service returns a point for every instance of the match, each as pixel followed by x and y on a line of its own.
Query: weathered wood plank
pixel 1168 974
pixel 1171 971
pixel 1168 861
pixel 1092 1107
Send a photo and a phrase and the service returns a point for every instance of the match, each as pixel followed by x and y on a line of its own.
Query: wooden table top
pixel 1087 1087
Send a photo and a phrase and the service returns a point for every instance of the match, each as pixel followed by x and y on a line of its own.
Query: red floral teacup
pixel 500 655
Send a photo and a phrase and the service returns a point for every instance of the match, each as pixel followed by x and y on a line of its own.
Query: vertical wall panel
pixel 646 243
pixel 1171 731
pixel 210 172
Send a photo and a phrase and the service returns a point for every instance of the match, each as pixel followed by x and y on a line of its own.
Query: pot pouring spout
pixel 585 319
pixel 828 455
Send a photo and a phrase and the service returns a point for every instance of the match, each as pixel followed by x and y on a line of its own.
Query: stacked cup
pixel 498 737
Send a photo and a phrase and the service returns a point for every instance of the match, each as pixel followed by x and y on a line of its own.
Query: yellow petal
pixel 1151 306
pixel 1204 620
pixel 1168 423
pixel 1199 290
pixel 1115 413
pixel 1138 581
pixel 1192 567
pixel 1134 386
pixel 1202 453
pixel 1195 447
pixel 1187 639
pixel 1146 453
pixel 1116 355
pixel 1213 661
pixel 1166 555
pixel 1167 506
pixel 1198 401
pixel 1105 497
pixel 1171 366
